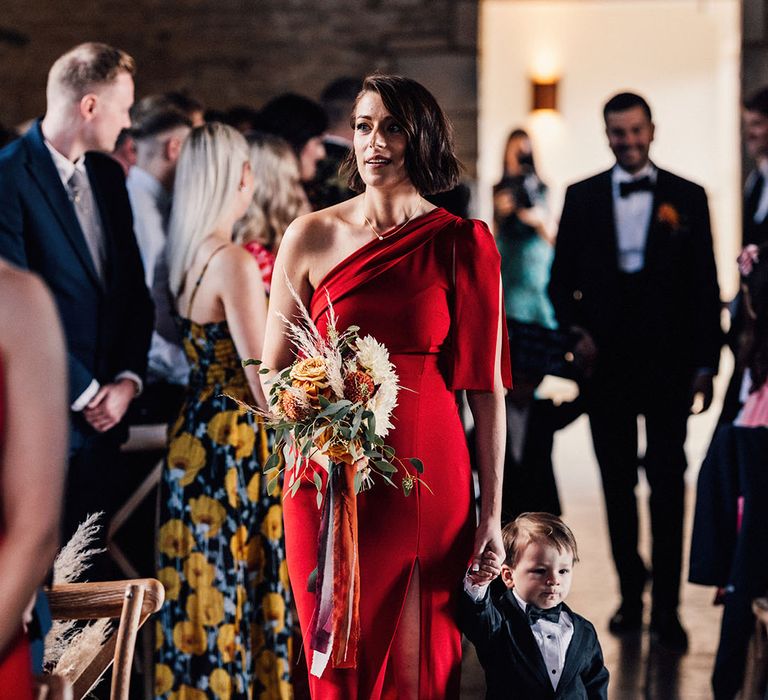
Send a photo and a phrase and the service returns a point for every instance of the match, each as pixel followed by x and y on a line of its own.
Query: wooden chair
pixel 132 601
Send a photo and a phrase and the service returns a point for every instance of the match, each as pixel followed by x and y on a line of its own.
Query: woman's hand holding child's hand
pixel 487 570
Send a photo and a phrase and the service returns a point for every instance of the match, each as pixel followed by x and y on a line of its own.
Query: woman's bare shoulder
pixel 317 231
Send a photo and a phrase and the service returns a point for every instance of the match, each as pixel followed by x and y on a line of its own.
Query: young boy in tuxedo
pixel 530 644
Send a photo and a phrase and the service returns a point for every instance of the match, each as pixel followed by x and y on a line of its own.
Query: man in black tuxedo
pixel 64 213
pixel 634 271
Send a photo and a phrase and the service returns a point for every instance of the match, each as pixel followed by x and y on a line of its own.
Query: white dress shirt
pixel 66 169
pixel 632 216
pixel 552 638
pixel 151 206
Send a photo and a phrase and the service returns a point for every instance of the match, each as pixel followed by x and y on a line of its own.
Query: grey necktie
pixel 82 199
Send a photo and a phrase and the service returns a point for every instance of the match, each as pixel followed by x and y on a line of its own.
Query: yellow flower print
pixel 255 555
pixel 272 525
pixel 206 607
pixel 215 375
pixel 190 638
pixel 273 607
pixel 198 572
pixel 159 635
pixel 171 581
pixel 226 643
pixel 238 544
pixel 284 578
pixel 224 352
pixel 257 638
pixel 245 440
pixel 268 668
pixel 187 453
pixel 191 351
pixel 186 692
pixel 222 428
pixel 240 597
pixel 230 484
pixel 176 427
pixel 254 487
pixel 163 679
pixel 207 511
pixel 220 683
pixel 174 539
pixel 281 691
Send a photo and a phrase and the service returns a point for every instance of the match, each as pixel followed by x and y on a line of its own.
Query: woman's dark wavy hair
pixel 430 161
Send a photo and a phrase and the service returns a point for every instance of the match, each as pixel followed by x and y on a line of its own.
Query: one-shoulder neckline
pixel 372 243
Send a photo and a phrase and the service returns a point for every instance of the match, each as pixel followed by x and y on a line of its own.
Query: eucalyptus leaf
pixel 272 461
pixel 357 483
pixel 324 403
pixel 418 465
pixel 357 421
pixel 247 363
pixel 386 467
pixel 318 481
pixel 319 499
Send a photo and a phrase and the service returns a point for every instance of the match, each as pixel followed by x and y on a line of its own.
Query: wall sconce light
pixel 544 94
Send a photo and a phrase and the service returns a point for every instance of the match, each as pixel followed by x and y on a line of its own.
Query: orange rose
pixel 336 448
pixel 669 216
pixel 310 376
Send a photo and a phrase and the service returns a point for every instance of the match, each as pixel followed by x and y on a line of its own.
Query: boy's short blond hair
pixel 542 528
pixel 86 66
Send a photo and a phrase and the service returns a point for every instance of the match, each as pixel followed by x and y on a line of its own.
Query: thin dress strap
pixel 200 278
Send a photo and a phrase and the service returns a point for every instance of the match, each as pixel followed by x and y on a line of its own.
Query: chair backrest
pixel 132 601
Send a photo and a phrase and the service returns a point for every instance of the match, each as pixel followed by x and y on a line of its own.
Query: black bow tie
pixel 534 614
pixel 643 184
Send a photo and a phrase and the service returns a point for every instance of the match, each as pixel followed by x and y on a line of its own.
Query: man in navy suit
pixel 634 271
pixel 64 213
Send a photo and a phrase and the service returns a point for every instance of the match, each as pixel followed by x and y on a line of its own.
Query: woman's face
pixel 379 143
pixel 312 153
pixel 518 147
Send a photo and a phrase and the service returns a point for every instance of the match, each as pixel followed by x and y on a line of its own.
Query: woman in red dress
pixel 33 438
pixel 427 285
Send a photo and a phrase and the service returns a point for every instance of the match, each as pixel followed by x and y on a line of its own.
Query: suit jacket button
pixel 577 295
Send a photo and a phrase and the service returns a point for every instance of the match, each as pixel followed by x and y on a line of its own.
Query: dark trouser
pixel 93 484
pixel 614 434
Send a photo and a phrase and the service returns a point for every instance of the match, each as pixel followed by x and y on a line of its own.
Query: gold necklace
pixel 391 232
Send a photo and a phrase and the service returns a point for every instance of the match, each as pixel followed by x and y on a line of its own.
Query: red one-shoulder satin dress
pixel 15 663
pixel 431 294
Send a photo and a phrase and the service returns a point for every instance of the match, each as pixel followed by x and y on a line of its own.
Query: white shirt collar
pixel 64 165
pixel 618 174
pixel 519 600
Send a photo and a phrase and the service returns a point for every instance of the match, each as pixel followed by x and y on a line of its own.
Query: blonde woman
pixel 224 630
pixel 278 198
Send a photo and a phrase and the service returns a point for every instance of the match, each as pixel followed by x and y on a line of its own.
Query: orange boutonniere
pixel 668 216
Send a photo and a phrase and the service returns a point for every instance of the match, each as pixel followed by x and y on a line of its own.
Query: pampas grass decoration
pixel 70 640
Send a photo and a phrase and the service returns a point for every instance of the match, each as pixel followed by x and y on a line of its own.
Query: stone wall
pixel 230 52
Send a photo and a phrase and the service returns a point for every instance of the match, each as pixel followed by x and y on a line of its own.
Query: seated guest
pixel 243 118
pixel 159 130
pixel 278 198
pixel 529 642
pixel 226 622
pixel 302 123
pixel 33 404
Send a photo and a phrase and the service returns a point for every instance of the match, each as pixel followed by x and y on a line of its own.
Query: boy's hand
pixel 488 568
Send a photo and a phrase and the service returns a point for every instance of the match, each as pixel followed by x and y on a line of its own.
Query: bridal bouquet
pixel 331 410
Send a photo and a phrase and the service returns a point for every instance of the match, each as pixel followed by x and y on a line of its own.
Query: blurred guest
pixel 33 403
pixel 125 151
pixel 525 244
pixel 302 123
pixel 64 213
pixel 184 102
pixel 634 269
pixel 7 135
pixel 754 233
pixel 243 118
pixel 338 101
pixel 226 621
pixel 158 134
pixel 278 198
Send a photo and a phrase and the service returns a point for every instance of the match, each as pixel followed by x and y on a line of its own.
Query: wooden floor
pixel 636 671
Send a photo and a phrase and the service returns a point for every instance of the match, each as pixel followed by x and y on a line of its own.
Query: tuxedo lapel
pixel 521 635
pixel 43 171
pixel 660 195
pixel 605 221
pixel 573 659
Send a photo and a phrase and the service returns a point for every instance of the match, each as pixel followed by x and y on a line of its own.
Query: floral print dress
pixel 224 631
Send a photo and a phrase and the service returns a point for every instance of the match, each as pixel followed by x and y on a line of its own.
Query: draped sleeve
pixel 477 307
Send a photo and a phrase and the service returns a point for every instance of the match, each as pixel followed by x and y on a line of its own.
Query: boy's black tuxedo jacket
pixel 107 325
pixel 681 285
pixel 514 666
